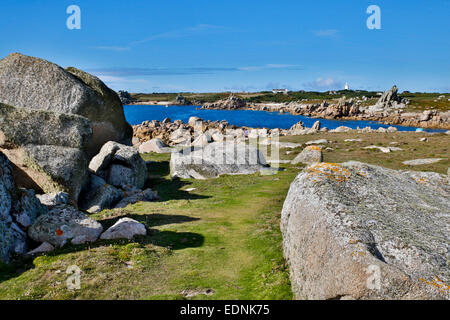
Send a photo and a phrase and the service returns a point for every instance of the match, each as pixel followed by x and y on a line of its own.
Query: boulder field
pixel 63 149
pixel 358 231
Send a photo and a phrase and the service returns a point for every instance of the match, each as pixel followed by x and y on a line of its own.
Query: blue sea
pixel 136 114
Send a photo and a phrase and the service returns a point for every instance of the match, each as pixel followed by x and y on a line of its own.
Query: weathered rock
pixel 7 188
pixel 38 84
pixel 22 126
pixel 62 168
pixel 309 155
pixel 154 145
pixel 28 208
pixel 100 198
pixel 51 200
pixel 119 165
pixel 319 141
pixel 43 248
pixel 216 159
pixel 357 231
pixel 125 97
pixel 181 100
pixel 12 238
pixel 137 195
pixel 232 102
pixel 418 162
pixel 47 148
pixel 202 140
pixel 316 125
pixel 125 228
pixel 180 136
pixel 65 223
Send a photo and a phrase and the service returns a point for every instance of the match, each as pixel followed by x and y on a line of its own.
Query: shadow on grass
pixel 168 239
pixel 168 189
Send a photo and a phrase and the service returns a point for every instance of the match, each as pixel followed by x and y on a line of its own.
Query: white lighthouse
pixel 346 86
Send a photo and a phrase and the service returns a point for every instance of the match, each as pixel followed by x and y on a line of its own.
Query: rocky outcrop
pixel 65 224
pixel 125 97
pixel 181 101
pixel 216 159
pixel 358 231
pixel 119 165
pixel 231 103
pixel 390 99
pixel 37 84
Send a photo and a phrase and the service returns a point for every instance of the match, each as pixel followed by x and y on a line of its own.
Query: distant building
pixel 284 91
pixel 346 87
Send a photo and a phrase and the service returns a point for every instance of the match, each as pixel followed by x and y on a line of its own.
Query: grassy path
pixel 220 241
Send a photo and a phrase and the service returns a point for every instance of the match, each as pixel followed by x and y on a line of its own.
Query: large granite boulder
pixel 48 149
pixel 216 159
pixel 64 224
pixel 358 231
pixel 38 84
pixel 119 165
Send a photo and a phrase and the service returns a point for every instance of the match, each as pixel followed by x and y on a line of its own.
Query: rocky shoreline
pixel 342 110
pixel 388 110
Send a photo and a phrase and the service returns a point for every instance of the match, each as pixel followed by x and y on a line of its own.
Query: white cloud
pixel 324 84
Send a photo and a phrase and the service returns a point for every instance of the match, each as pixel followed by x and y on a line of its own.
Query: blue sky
pixel 214 45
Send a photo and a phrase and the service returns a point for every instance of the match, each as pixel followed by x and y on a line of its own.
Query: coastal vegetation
pixel 207 239
pixel 419 101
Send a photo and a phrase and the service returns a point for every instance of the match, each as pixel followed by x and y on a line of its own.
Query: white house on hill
pixel 284 91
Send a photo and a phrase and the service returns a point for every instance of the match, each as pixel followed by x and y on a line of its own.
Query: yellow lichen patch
pixel 333 171
pixel 421 180
pixel 317 148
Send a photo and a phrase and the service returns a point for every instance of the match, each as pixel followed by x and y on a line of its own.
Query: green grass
pixel 222 238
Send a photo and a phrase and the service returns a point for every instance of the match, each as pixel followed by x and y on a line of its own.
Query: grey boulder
pixel 34 83
pixel 119 165
pixel 137 195
pixel 51 200
pixel 100 198
pixel 309 155
pixel 125 228
pixel 48 149
pixel 65 224
pixel 28 208
pixel 216 159
pixel 358 231
pixel 154 145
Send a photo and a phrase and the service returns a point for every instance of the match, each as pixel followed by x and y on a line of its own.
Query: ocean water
pixel 136 114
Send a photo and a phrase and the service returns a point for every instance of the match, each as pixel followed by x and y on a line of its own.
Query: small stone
pixel 44 247
pixel 124 228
